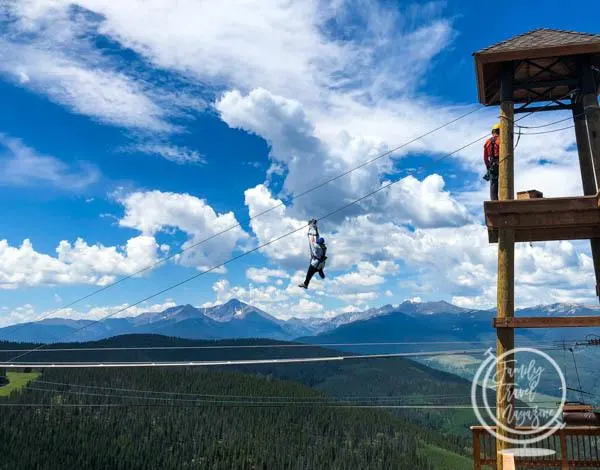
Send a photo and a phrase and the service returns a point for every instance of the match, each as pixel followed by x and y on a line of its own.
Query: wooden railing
pixel 576 447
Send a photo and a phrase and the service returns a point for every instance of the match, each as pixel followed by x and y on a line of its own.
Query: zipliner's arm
pixel 486 153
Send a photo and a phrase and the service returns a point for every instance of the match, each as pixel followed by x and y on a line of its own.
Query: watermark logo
pixel 529 423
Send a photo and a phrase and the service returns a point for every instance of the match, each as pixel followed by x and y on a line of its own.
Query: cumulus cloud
pixel 75 263
pixel 264 275
pixel 348 244
pixel 309 160
pixel 149 213
pixel 365 253
pixel 152 212
pixel 290 251
pixel 21 165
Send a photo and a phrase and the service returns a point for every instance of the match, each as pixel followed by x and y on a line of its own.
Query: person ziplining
pixel 318 254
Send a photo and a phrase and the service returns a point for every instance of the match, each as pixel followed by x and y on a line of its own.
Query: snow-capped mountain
pixel 236 319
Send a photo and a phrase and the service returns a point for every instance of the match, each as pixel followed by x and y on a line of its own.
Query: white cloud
pixel 310 160
pixel 152 212
pixel 245 45
pixel 148 212
pixel 359 279
pixel 361 299
pixel 22 166
pixel 237 42
pixel 291 251
pixel 269 298
pixel 77 263
pixel 264 275
pixel 423 203
pixel 28 313
pixel 87 89
pixel 49 47
pixel 173 153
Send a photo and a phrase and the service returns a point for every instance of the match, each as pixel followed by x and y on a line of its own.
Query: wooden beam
pixel 565 218
pixel 532 109
pixel 547 204
pixel 550 234
pixel 547 322
pixel 537 53
pixel 530 85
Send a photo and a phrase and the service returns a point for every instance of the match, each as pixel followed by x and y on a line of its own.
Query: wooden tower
pixel 543 70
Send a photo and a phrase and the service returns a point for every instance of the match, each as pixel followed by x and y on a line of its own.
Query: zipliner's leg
pixel 309 275
pixel 494 188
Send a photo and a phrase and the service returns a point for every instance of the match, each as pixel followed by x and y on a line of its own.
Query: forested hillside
pixel 224 419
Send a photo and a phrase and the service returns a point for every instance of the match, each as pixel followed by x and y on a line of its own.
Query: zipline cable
pixel 238 362
pixel 547 132
pixel 261 346
pixel 552 123
pixel 204 395
pixel 177 405
pixel 292 401
pixel 270 397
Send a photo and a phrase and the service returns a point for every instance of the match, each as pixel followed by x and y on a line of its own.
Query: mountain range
pixel 410 321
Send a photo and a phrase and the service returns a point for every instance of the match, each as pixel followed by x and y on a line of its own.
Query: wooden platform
pixel 564 218
pixel 575 447
pixel 546 322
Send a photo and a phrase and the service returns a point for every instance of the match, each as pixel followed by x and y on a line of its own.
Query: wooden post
pixel 506 267
pixel 508 462
pixel 583 149
pixel 592 118
pixel 564 459
pixel 588 179
pixel 591 151
pixel 477 450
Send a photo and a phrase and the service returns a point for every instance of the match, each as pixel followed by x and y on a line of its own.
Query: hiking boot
pixel 322 274
pixel 304 286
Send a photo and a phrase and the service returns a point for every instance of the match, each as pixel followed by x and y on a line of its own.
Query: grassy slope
pixel 17 380
pixel 445 460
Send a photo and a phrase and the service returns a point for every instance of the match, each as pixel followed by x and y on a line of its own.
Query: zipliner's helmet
pixel 321 241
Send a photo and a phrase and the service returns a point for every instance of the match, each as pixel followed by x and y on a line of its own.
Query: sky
pixel 133 130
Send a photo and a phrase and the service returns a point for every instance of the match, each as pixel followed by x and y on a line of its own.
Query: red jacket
pixel 491 151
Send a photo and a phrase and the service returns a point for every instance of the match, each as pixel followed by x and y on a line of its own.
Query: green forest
pixel 290 416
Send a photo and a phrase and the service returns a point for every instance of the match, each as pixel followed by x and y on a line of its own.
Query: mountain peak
pixel 428 308
pixel 234 303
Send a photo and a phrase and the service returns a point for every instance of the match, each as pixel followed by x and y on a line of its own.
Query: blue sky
pixel 133 129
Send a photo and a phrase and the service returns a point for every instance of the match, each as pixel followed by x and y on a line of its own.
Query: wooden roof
pixel 533 51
